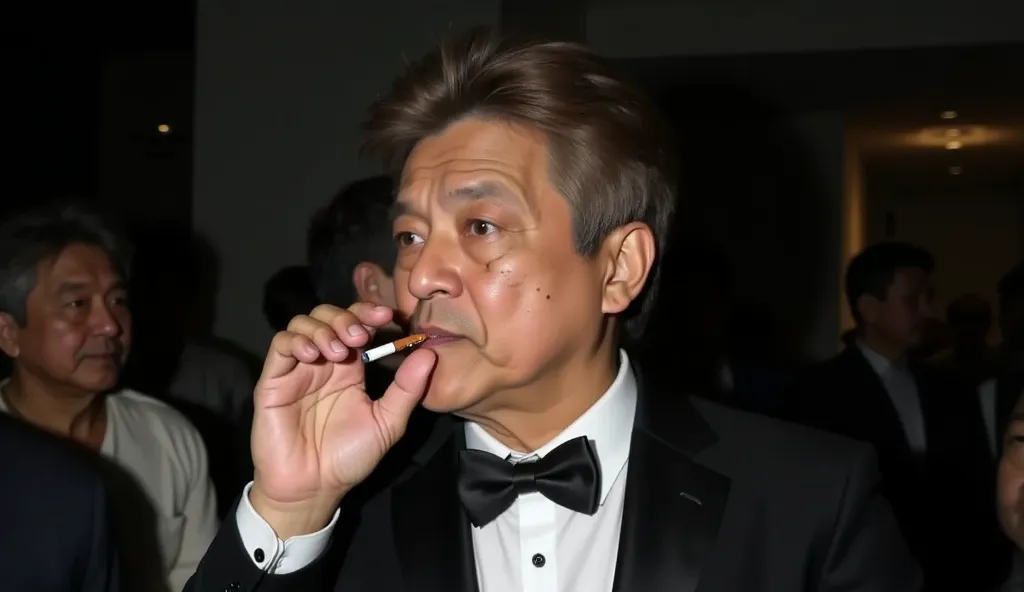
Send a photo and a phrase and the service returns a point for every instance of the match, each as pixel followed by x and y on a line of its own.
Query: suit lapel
pixel 874 407
pixel 431 531
pixel 673 505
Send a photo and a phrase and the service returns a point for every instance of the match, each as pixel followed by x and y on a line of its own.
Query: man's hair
pixel 35 235
pixel 287 294
pixel 611 152
pixel 355 228
pixel 874 269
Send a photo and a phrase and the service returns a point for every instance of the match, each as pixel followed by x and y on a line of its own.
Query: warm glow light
pixel 948 115
pixel 975 136
pixel 954 145
pixel 163 128
pixel 955 170
pixel 952 133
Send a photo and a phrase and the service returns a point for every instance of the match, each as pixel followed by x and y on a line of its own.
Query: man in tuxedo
pixel 926 430
pixel 54 531
pixel 537 189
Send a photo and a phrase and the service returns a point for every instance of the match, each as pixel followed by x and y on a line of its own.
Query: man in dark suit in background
pixel 54 534
pixel 538 188
pixel 928 434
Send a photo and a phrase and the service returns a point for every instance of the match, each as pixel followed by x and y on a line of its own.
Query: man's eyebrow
pixel 397 209
pixel 480 190
pixel 469 192
pixel 70 287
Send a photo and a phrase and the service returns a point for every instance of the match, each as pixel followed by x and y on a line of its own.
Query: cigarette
pixel 372 355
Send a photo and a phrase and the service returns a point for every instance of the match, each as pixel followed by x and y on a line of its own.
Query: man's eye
pixel 481 228
pixel 408 239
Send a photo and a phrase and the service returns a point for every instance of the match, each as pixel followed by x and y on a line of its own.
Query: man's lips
pixel 436 336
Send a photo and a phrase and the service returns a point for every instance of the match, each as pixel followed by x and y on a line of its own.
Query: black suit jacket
pixel 716 500
pixel 942 501
pixel 54 534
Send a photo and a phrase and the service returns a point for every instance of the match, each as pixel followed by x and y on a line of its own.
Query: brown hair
pixel 611 152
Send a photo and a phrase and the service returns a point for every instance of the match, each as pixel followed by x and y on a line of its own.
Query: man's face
pixel 486 254
pixel 79 328
pixel 1010 479
pixel 907 309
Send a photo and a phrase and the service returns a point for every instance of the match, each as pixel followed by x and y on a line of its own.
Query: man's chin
pixel 97 382
pixel 445 397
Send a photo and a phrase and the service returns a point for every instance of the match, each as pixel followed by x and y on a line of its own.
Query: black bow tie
pixel 569 476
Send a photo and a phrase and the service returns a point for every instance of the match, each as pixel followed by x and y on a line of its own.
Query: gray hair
pixel 34 236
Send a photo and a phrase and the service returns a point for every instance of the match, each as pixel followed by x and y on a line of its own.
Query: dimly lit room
pixel 514 296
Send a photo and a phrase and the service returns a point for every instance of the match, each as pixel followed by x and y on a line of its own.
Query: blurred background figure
pixel 926 431
pixel 970 359
pixel 66 325
pixel 55 527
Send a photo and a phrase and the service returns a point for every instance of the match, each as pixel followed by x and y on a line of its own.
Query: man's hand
pixel 316 434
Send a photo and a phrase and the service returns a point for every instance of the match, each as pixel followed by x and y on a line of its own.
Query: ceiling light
pixel 953 133
pixel 954 145
pixel 163 128
pixel 948 115
pixel 955 170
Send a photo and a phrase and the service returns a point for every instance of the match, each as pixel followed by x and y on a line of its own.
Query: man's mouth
pixel 438 337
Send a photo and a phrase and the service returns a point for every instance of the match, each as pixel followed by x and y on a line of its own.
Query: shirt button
pixel 258 555
pixel 538 560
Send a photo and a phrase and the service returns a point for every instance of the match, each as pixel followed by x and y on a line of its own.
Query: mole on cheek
pixel 548 296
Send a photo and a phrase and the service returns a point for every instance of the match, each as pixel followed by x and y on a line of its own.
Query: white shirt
pixel 165 461
pixel 578 552
pixel 902 390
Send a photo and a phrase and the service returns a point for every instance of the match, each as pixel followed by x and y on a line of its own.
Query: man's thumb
pixel 406 391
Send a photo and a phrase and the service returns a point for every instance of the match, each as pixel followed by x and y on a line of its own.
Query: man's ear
pixel 369 281
pixel 630 251
pixel 9 331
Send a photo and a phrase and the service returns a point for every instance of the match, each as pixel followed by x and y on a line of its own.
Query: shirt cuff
pixel 267 551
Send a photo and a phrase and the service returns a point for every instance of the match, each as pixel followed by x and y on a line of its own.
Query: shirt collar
pixel 882 365
pixel 608 424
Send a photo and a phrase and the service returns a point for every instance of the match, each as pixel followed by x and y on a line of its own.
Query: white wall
pixel 281 88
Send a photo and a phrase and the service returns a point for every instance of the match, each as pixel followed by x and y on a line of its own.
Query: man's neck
pixel 530 417
pixel 65 412
pixel 882 346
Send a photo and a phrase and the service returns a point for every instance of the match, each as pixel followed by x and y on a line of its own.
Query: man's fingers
pixel 401 398
pixel 356 325
pixel 330 345
pixel 286 351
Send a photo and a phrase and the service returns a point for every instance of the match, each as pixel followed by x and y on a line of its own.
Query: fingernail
pixel 337 346
pixel 312 350
pixel 381 308
pixel 356 330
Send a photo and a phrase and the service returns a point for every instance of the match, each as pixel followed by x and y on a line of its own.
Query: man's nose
pixel 437 271
pixel 105 322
